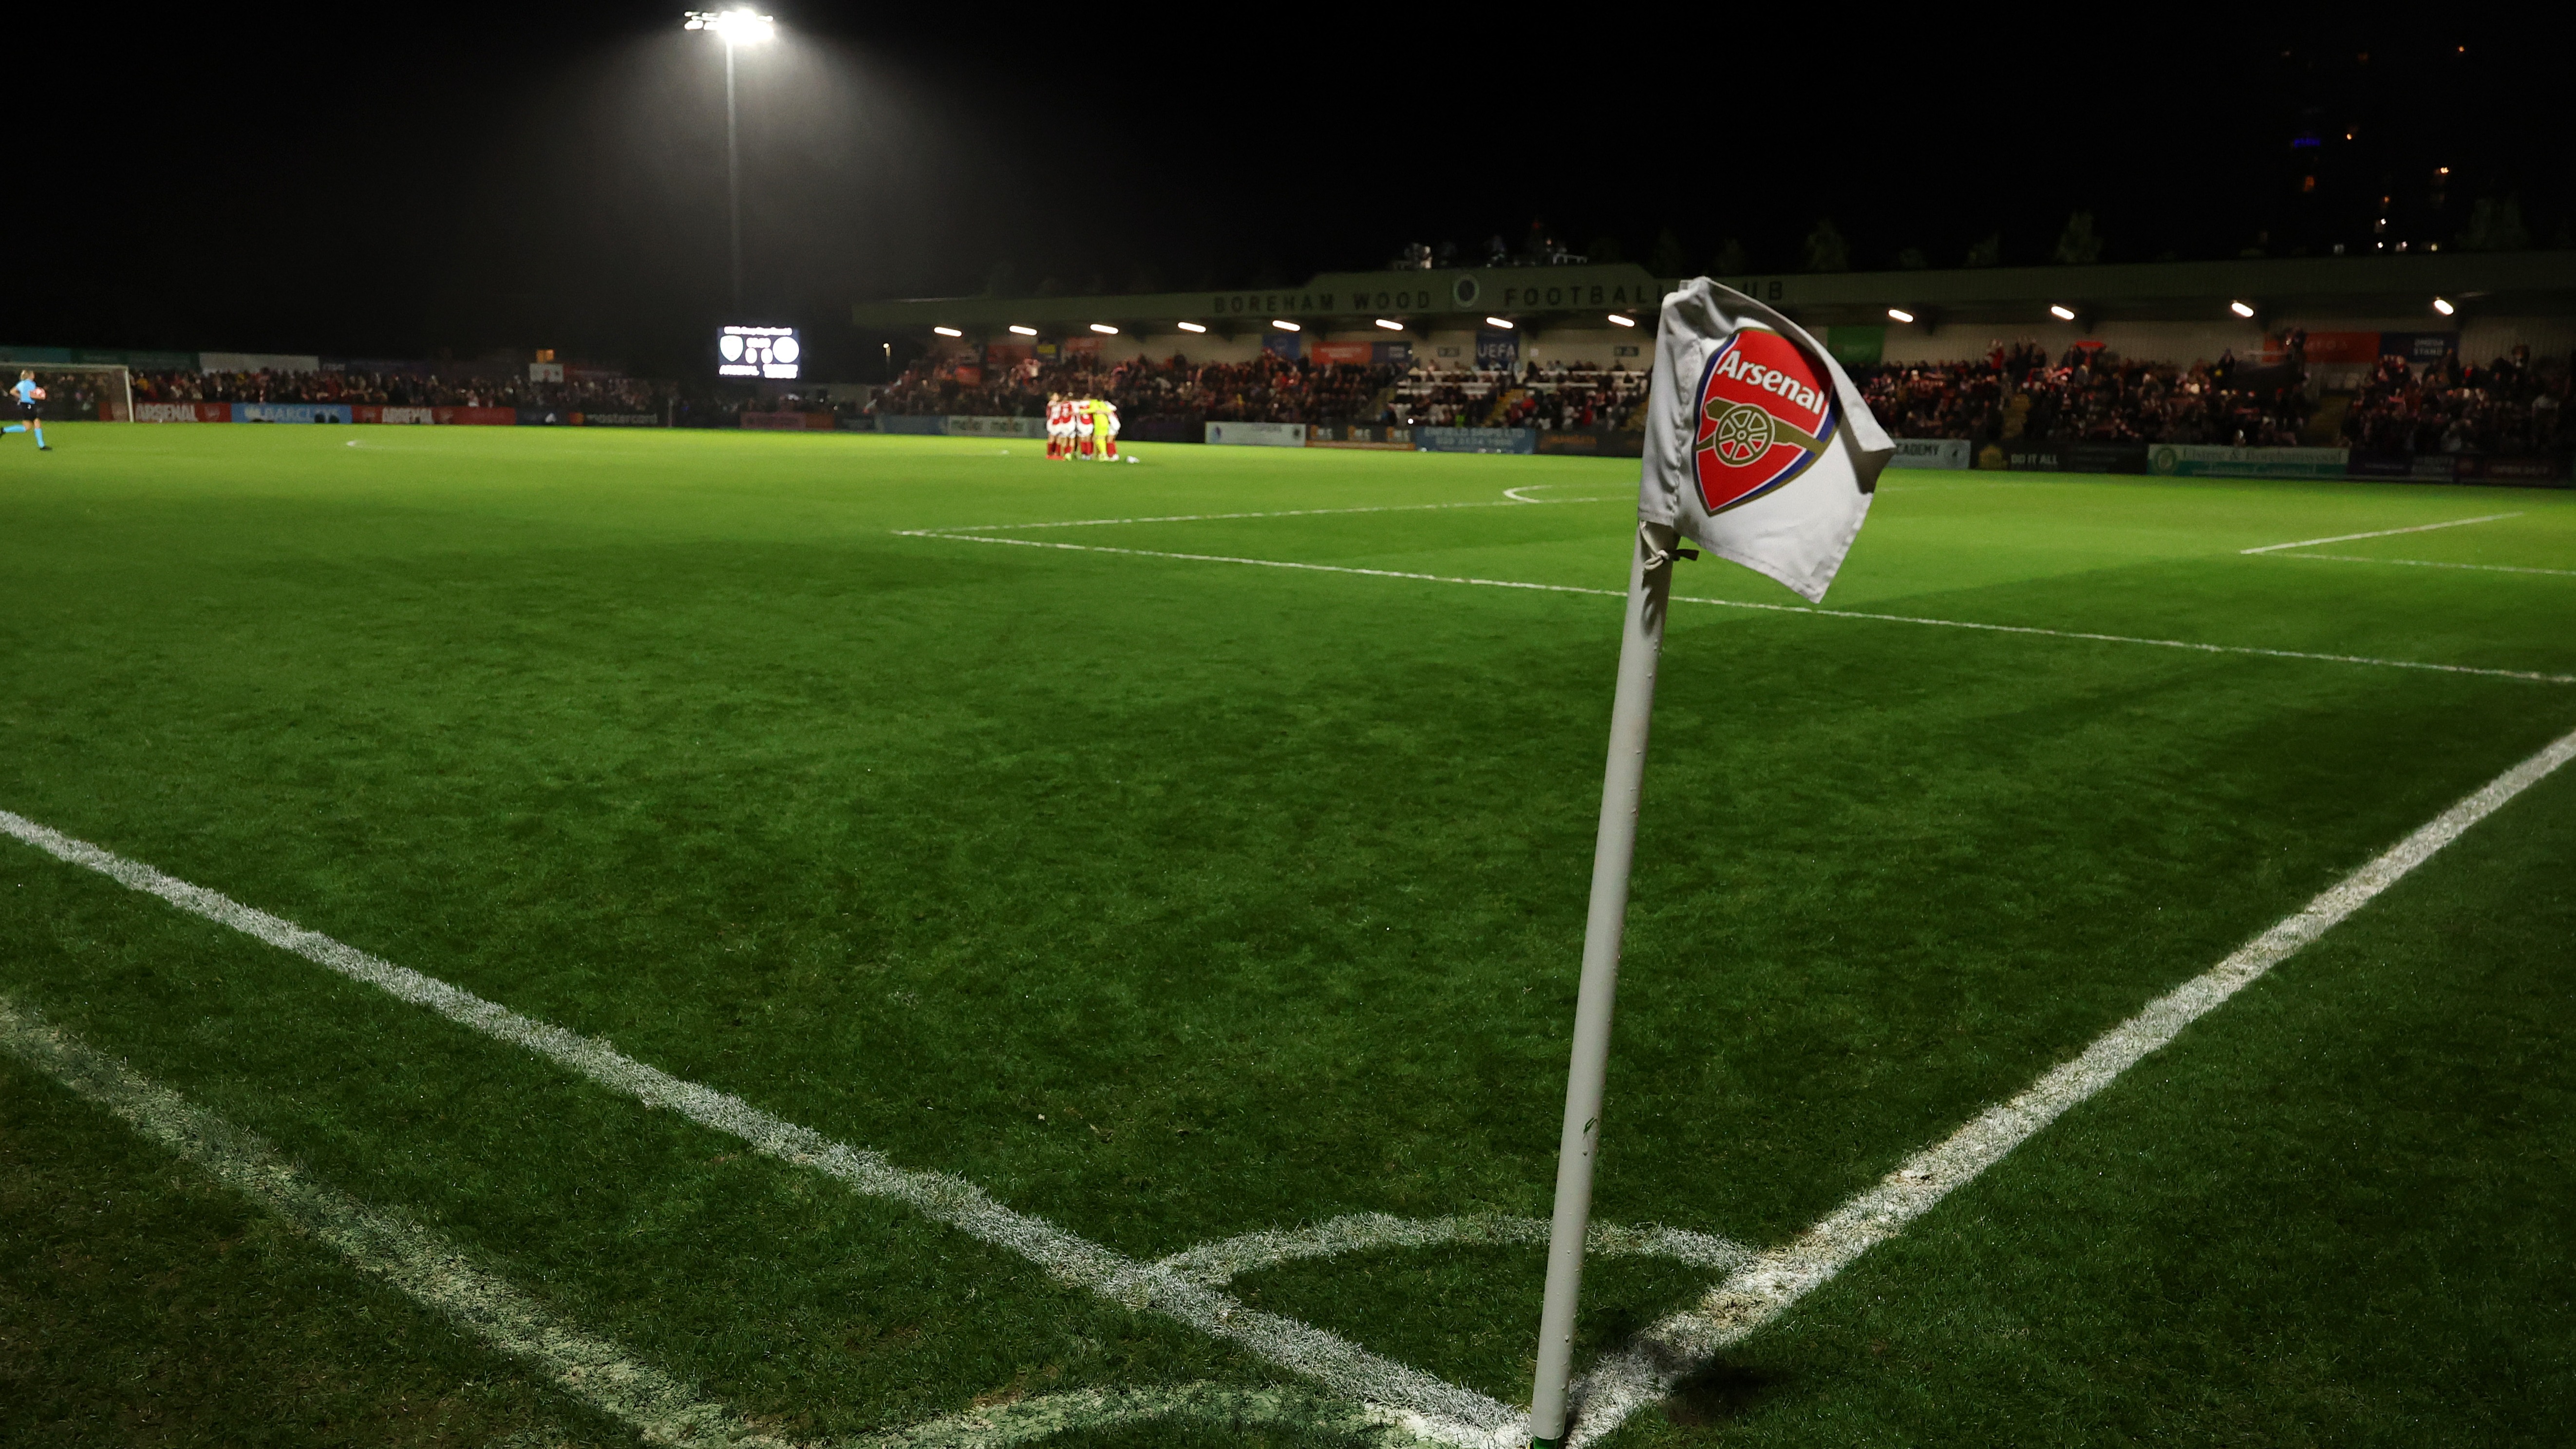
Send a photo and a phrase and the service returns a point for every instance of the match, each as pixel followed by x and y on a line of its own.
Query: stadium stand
pixel 1267 389
pixel 2508 408
pixel 402 390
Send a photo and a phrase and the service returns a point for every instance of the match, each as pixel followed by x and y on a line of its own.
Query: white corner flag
pixel 1761 450
pixel 1757 445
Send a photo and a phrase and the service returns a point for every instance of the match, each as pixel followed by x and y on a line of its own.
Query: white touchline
pixel 1425 1404
pixel 1761 1290
pixel 2426 563
pixel 416 1259
pixel 2382 533
pixel 2533 676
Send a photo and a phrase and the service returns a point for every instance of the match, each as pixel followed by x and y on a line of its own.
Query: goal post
pixel 79 391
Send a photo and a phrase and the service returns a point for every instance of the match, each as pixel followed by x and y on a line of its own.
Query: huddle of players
pixel 1081 427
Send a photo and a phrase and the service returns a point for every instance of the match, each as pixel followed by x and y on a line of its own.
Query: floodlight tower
pixel 733 27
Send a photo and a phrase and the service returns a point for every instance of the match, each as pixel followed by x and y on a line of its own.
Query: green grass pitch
pixel 1169 899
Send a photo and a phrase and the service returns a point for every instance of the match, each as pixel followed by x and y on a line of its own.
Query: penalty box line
pixel 2528 675
pixel 1417 1402
pixel 1762 1290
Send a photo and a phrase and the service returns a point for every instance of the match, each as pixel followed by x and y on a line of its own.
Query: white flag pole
pixel 1650 578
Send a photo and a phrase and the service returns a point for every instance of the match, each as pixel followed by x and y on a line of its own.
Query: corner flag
pixel 1760 449
pixel 1757 445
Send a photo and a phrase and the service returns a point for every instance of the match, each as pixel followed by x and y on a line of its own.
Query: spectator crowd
pixel 404 389
pixel 1277 389
pixel 2088 395
pixel 1267 389
pixel 2508 408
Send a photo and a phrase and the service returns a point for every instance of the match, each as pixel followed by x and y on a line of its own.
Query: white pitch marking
pixel 1216 1264
pixel 662 1409
pixel 1216 517
pixel 1438 1408
pixel 1073 1410
pixel 2250 649
pixel 2381 533
pixel 416 1259
pixel 1761 1290
pixel 2426 563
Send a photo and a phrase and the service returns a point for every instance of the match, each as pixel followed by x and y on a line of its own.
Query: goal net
pixel 77 391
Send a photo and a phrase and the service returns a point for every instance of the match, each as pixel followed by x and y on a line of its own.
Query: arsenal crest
pixel 1766 410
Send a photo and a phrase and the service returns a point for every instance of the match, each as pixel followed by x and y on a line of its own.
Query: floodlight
pixel 1899 314
pixel 1024 331
pixel 2061 312
pixel 742 27
pixel 1390 326
pixel 2443 306
pixel 1619 319
pixel 1285 325
pixel 947 331
pixel 1192 327
pixel 1501 322
pixel 1104 329
pixel 2241 309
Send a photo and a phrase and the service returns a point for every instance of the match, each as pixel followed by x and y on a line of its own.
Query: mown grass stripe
pixel 1440 1409
pixel 1760 1291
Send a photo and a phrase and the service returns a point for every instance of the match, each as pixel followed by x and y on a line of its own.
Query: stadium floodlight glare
pixel 2241 309
pixel 1899 314
pixel 1024 331
pixel 1621 319
pixel 2061 311
pixel 733 27
pixel 947 331
pixel 1104 329
pixel 1192 327
pixel 1390 326
pixel 1502 322
pixel 1285 325
pixel 2443 306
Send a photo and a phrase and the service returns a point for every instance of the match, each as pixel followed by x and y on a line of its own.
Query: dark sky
pixel 406 179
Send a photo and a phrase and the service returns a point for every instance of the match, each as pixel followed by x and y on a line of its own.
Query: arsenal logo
pixel 1766 410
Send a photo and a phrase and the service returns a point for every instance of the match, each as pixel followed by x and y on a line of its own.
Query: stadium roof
pixel 2314 289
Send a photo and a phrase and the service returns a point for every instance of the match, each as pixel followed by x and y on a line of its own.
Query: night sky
pixel 413 180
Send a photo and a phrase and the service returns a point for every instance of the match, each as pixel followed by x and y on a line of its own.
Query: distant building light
pixel 2061 312
pixel 2443 306
pixel 1024 331
pixel 1285 326
pixel 1620 320
pixel 1390 326
pixel 2241 309
pixel 1501 322
pixel 1899 314
pixel 1192 327
pixel 1104 329
pixel 947 331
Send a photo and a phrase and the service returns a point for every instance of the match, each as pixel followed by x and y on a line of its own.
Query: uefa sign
pixel 758 352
